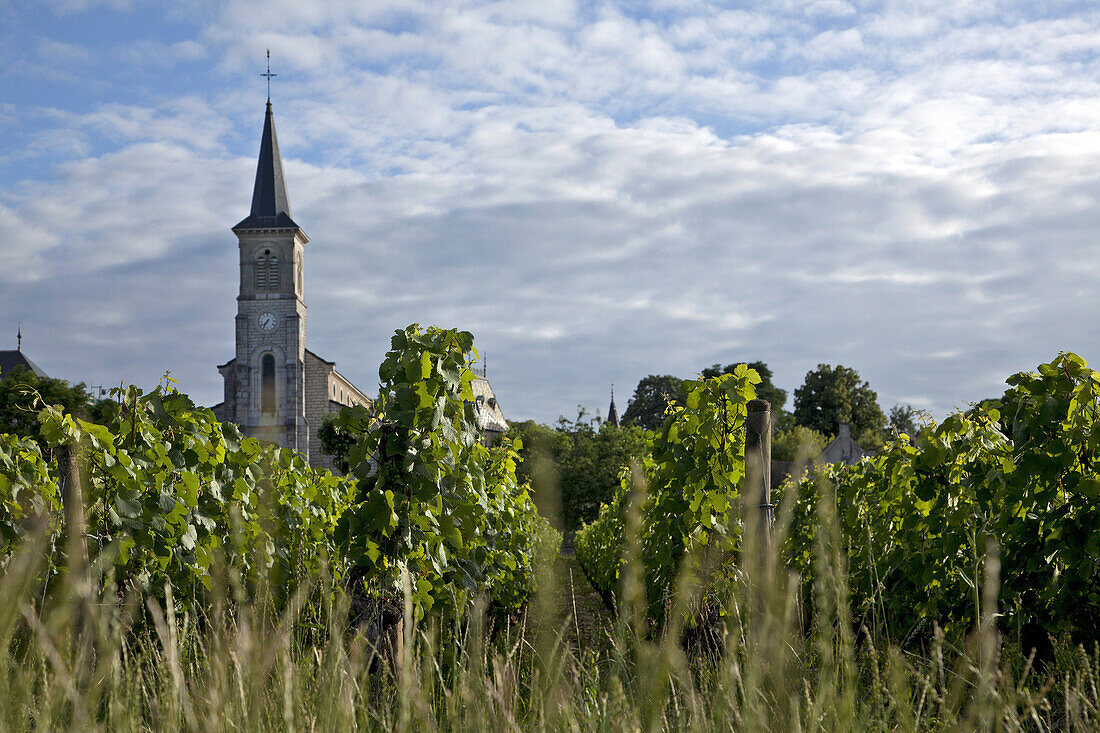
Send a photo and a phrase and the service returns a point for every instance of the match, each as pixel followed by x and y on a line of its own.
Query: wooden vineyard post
pixel 72 501
pixel 758 462
pixel 76 544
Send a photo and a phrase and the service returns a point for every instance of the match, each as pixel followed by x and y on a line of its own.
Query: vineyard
pixel 1016 478
pixel 212 581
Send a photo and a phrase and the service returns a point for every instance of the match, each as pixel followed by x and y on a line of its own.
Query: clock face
pixel 266 321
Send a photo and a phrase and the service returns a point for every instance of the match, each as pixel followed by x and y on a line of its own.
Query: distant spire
pixel 270 203
pixel 19 338
pixel 612 413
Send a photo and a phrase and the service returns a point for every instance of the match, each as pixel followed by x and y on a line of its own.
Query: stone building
pixel 275 388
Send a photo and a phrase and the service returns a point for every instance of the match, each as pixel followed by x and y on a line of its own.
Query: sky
pixel 598 191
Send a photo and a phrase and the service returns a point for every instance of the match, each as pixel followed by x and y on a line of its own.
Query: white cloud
pixel 66 7
pixel 597 194
pixel 148 53
pixel 186 120
pixel 25 249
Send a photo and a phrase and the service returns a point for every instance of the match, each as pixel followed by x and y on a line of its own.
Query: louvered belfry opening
pixel 267 272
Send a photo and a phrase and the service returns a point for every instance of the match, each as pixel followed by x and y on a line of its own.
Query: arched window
pixel 273 273
pixel 267 388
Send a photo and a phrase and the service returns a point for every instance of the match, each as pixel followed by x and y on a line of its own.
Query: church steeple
pixel 612 413
pixel 270 203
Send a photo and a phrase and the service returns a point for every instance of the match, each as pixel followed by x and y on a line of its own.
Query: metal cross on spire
pixel 268 75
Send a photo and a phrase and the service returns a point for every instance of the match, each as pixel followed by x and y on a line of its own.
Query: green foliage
pixel 694 473
pixel 650 401
pixel 434 503
pixel 599 544
pixel 1020 468
pixel 904 419
pixel 1020 471
pixel 169 490
pixel 336 443
pixel 832 395
pixel 588 460
pixel 28 492
pixel 694 470
pixel 764 391
pixel 797 443
pixel 21 391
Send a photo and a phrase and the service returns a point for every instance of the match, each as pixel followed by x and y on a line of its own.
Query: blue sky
pixel 598 191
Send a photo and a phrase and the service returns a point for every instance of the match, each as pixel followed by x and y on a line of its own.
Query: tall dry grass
pixel 91 656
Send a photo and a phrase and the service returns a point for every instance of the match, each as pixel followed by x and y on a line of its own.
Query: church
pixel 275 388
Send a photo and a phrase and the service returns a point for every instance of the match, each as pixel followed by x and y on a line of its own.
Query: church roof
pixel 843 448
pixel 320 358
pixel 9 360
pixel 270 204
pixel 489 413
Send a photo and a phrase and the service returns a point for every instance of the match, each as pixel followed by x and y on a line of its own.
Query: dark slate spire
pixel 612 413
pixel 270 204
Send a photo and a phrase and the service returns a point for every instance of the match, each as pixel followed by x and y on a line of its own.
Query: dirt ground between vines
pixel 589 625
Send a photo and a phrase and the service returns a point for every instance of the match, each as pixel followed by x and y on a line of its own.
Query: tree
pixel 832 395
pixel 586 461
pixel 797 443
pixel 19 392
pixel 335 442
pixel 904 420
pixel 540 459
pixel 651 397
pixel 765 390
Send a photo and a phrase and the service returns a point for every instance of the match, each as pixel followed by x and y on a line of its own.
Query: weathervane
pixel 268 75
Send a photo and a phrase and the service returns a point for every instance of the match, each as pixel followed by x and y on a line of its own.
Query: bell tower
pixel 265 382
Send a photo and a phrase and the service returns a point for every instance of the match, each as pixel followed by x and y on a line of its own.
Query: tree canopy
pixel 19 391
pixel 652 395
pixel 903 419
pixel 586 458
pixel 797 443
pixel 832 395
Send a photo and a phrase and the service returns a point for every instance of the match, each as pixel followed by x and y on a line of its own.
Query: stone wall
pixel 327 391
pixel 318 373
